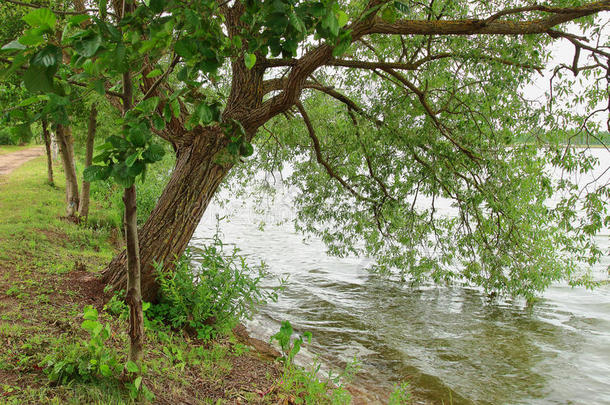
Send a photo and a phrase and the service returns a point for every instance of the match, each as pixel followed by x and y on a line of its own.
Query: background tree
pixel 431 109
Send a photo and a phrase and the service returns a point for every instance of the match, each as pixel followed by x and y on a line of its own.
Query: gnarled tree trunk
pixel 66 148
pixel 83 209
pixel 169 228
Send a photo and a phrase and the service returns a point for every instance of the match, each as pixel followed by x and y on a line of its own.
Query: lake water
pixel 453 344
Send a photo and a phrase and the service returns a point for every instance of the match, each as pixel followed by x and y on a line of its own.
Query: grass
pixel 49 271
pixel 4 149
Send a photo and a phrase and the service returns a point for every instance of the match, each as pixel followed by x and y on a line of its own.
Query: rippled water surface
pixel 453 344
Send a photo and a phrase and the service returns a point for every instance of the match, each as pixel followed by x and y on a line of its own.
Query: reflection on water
pixel 453 344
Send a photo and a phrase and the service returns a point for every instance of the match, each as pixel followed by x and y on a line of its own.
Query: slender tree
pixel 83 209
pixel 47 145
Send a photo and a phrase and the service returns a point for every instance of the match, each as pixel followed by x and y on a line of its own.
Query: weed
pixel 84 361
pixel 401 394
pixel 213 297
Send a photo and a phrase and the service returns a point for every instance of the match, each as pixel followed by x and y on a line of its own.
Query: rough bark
pixel 47 145
pixel 83 209
pixel 170 226
pixel 66 149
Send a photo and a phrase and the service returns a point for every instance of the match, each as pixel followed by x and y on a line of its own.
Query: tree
pixel 430 109
pixel 83 209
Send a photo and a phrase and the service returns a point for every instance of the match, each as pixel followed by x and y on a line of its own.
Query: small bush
pixel 87 360
pixel 213 296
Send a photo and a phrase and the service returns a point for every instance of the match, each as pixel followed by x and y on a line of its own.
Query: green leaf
pixel 88 45
pixel 95 173
pixel 148 106
pixel 138 382
pixel 342 18
pixel 158 122
pixel 32 100
pixel 249 60
pixel 32 37
pixel 389 14
pixel 402 7
pixel 118 142
pixel 37 79
pixel 89 325
pixel 121 175
pixel 137 168
pixel 203 114
pixel 105 370
pixel 78 19
pixel 246 149
pixel 132 367
pixel 90 313
pixel 157 6
pixel 331 24
pixel 154 73
pixel 50 55
pixel 154 153
pixel 131 159
pixel 99 87
pixel 13 46
pixel 41 17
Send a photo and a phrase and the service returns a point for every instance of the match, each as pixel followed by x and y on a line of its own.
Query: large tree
pixel 428 107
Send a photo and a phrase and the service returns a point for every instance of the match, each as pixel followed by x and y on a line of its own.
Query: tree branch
pixel 318 152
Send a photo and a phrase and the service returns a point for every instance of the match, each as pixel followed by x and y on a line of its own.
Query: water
pixel 452 344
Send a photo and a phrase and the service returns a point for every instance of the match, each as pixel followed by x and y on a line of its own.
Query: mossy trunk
pixel 169 228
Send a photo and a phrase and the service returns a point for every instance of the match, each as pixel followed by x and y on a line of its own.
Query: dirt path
pixel 11 161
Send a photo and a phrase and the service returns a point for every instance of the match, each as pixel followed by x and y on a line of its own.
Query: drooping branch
pixel 320 159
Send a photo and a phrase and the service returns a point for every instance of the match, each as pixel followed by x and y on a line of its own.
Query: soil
pixel 11 161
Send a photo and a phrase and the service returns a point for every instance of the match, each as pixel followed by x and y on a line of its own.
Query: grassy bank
pixel 49 272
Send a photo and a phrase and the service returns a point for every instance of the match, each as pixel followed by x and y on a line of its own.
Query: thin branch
pixel 318 152
pixel 57 12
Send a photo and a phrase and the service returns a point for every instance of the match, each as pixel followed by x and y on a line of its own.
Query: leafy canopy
pixel 394 108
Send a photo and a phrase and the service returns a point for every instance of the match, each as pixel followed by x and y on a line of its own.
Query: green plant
pixel 305 386
pixel 290 347
pixel 212 297
pixel 401 394
pixel 87 360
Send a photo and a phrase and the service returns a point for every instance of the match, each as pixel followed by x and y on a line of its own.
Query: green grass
pixel 49 271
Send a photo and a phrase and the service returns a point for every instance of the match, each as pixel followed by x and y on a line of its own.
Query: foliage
pixel 401 394
pixel 85 361
pixel 305 386
pixel 212 297
pixel 428 109
pixel 290 347
pixel 148 194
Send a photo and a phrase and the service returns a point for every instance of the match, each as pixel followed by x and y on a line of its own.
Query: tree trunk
pixel 47 145
pixel 83 209
pixel 170 226
pixel 66 148
pixel 134 292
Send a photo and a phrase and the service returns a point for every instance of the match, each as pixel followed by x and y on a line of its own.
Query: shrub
pixel 86 360
pixel 213 296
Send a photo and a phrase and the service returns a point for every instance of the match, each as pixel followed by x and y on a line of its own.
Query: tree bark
pixel 47 145
pixel 134 292
pixel 169 228
pixel 83 209
pixel 66 148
